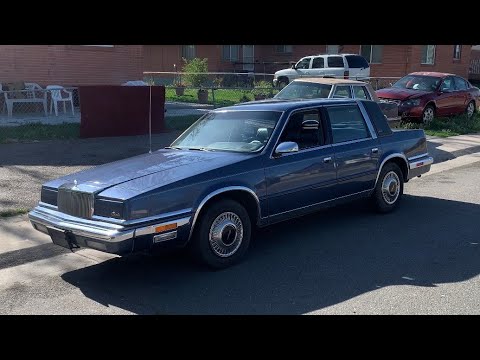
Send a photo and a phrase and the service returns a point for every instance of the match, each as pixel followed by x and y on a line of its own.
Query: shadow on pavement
pixel 302 265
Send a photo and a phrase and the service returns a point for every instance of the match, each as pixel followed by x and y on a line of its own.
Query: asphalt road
pixel 422 259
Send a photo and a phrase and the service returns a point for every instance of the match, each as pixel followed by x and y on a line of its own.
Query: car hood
pixel 137 172
pixel 285 72
pixel 400 94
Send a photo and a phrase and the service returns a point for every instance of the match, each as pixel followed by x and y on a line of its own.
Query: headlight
pixel 49 195
pixel 413 102
pixel 109 208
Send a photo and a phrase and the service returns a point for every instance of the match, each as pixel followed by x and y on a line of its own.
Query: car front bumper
pixel 73 232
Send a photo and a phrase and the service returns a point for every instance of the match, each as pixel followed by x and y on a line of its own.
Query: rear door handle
pixel 375 151
pixel 327 159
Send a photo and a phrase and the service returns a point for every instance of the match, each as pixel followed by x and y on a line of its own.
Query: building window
pixel 230 52
pixel 457 52
pixel 283 49
pixel 428 54
pixel 373 53
pixel 332 49
pixel 188 52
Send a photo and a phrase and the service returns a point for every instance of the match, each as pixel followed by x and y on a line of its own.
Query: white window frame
pixel 371 54
pixel 285 50
pixel 457 48
pixel 433 56
pixel 230 48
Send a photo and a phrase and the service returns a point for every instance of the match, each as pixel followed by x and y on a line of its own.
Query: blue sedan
pixel 234 169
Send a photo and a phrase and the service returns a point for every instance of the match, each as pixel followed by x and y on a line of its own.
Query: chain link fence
pixel 24 103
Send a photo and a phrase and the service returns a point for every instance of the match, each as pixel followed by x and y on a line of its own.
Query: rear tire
pixel 389 189
pixel 222 235
pixel 470 110
pixel 428 114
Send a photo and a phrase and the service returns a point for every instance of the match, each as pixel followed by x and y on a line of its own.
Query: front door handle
pixel 327 159
pixel 375 151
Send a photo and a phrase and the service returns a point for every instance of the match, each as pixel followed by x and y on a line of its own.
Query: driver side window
pixel 304 64
pixel 305 129
pixel 447 84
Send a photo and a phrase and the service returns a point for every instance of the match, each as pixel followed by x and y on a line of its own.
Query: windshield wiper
pixel 200 149
pixel 173 147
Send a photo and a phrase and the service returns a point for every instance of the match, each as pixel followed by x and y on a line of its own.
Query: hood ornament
pixel 75 185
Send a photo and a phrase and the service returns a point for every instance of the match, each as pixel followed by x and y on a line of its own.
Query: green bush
pixel 192 68
pixel 263 88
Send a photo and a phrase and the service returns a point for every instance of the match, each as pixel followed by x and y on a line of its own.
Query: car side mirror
pixel 286 147
pixel 294 67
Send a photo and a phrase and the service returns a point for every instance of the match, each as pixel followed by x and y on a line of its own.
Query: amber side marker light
pixel 166 227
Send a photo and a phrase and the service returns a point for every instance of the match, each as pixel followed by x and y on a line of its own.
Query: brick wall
pixel 474 69
pixel 71 65
pixel 444 61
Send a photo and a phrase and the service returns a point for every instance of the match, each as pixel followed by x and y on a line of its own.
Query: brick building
pixel 474 70
pixel 71 65
pixel 385 60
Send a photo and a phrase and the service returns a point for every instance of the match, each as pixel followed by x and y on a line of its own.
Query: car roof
pixel 330 81
pixel 432 73
pixel 286 105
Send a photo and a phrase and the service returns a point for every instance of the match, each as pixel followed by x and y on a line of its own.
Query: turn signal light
pixel 167 227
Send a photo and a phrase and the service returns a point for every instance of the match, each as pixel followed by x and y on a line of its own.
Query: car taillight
pixel 345 74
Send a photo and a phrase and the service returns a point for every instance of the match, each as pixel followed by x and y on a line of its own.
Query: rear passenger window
pixel 361 92
pixel 356 62
pixel 335 61
pixel 318 63
pixel 378 118
pixel 347 123
pixel 460 84
pixel 342 92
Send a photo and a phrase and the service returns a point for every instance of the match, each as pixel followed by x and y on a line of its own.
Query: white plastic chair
pixel 56 92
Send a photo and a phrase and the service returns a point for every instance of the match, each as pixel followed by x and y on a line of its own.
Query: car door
pixel 335 66
pixel 462 96
pixel 318 66
pixel 298 180
pixel 356 147
pixel 446 99
pixel 303 67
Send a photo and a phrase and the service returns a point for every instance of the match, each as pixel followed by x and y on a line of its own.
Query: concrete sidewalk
pixel 443 149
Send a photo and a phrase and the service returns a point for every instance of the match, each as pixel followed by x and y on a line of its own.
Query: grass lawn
pixel 32 132
pixel 223 97
pixel 445 127
pixel 9 213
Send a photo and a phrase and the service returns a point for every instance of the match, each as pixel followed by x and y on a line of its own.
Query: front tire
pixel 389 189
pixel 222 236
pixel 428 114
pixel 282 83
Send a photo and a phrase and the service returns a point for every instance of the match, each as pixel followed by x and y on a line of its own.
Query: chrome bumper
pixel 419 165
pixel 101 235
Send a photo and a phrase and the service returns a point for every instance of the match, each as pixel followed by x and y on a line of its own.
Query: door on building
pixel 248 57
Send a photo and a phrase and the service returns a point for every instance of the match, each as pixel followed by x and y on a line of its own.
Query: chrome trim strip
pixel 417 157
pixel 93 230
pixel 220 191
pixel 165 237
pixel 321 202
pixel 391 156
pixel 351 141
pixel 151 228
pixel 419 163
pixel 47 205
pixel 143 220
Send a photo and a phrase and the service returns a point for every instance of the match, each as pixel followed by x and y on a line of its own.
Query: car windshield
pixel 239 131
pixel 304 90
pixel 418 82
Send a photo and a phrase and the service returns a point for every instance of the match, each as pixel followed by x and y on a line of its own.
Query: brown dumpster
pixel 109 110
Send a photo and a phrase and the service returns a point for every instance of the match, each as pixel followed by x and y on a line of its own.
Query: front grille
pixel 390 101
pixel 75 203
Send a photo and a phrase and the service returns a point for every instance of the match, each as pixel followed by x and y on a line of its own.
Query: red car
pixel 424 95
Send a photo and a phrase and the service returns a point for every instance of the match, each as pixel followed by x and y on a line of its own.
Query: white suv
pixel 340 65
